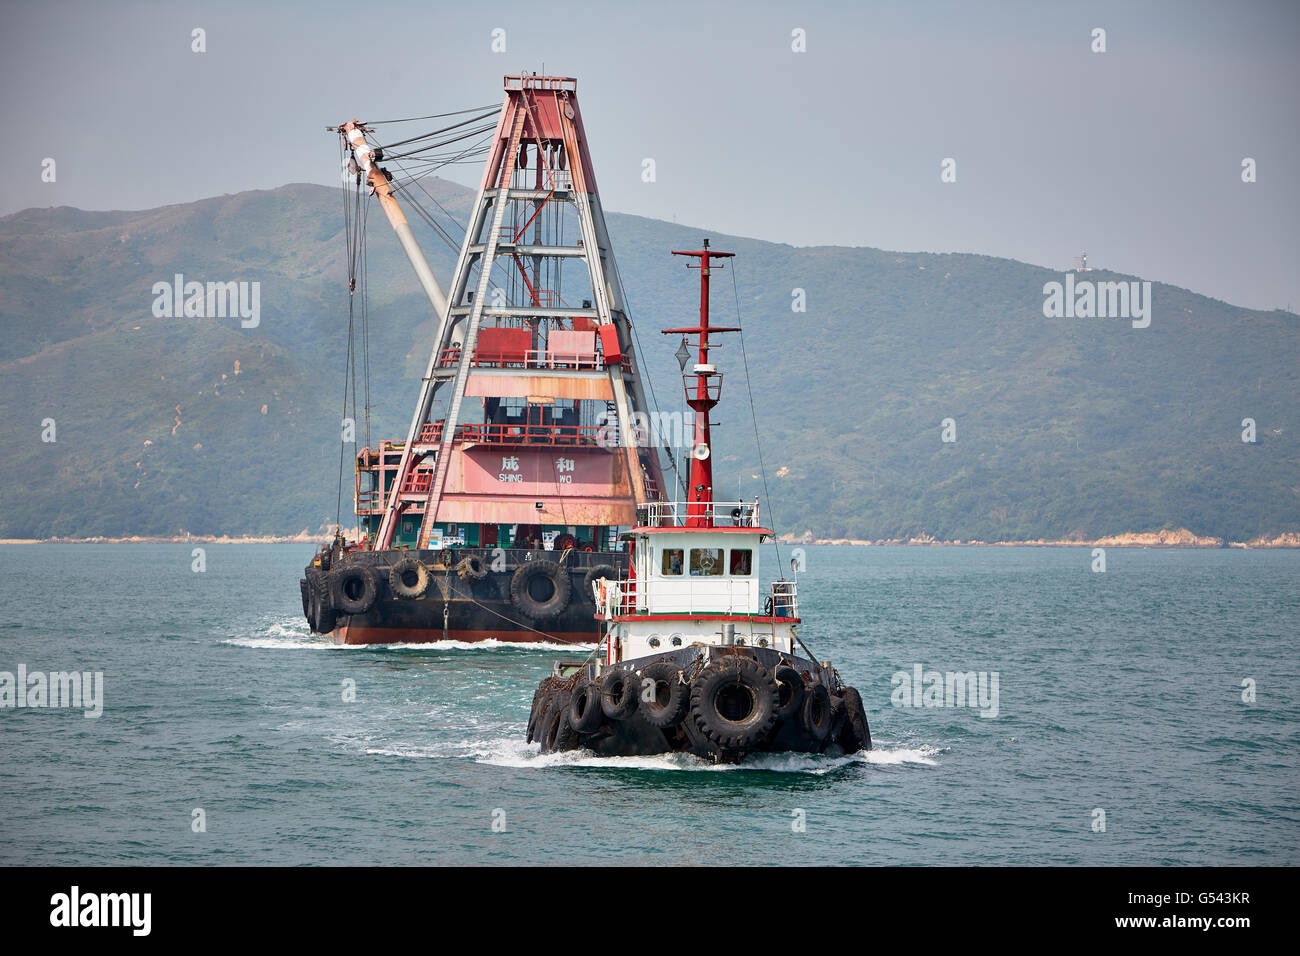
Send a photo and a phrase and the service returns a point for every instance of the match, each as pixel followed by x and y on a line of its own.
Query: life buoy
pixel 618 694
pixel 408 578
pixel 666 705
pixel 355 589
pixel 585 714
pixel 539 609
pixel 790 691
pixel 816 714
pixel 734 702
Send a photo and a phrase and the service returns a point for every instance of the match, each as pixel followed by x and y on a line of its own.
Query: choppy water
pixel 1119 690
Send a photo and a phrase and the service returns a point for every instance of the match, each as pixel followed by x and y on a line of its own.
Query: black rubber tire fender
pixel 790 692
pixel 528 605
pixel 546 711
pixel 306 604
pixel 815 717
pixel 534 711
pixel 585 713
pixel 472 568
pixel 837 717
pixel 347 579
pixel 665 707
pixel 398 573
pixel 619 691
pixel 318 583
pixel 854 733
pixel 593 575
pixel 548 725
pixel 321 616
pixel 566 738
pixel 554 730
pixel 721 676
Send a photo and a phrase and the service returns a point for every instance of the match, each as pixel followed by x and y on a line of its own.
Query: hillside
pixel 1065 427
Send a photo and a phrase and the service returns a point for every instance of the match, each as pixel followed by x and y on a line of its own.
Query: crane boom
pixel 364 155
pixel 366 158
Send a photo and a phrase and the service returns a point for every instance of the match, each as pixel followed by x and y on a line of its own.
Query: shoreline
pixel 300 538
pixel 1179 539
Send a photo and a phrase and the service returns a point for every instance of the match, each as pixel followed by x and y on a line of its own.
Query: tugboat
pixel 526 454
pixel 696 657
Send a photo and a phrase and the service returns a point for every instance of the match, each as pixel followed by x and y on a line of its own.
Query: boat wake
pixel 523 755
pixel 293 634
pixel 515 753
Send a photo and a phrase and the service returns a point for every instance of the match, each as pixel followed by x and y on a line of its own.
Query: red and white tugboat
pixel 696 656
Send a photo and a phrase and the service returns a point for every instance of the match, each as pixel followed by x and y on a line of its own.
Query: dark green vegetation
pixel 1065 427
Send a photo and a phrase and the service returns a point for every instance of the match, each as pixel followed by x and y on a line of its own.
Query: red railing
pixel 417 483
pixel 432 432
pixel 533 358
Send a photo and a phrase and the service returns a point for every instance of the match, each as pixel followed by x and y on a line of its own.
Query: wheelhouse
pixel 697 584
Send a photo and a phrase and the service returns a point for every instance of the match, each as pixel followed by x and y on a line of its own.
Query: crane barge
pixel 525 456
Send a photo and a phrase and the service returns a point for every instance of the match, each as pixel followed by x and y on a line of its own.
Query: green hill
pixel 1065 427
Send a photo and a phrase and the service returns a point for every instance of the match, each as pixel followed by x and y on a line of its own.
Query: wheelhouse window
pixel 742 561
pixel 706 561
pixel 672 561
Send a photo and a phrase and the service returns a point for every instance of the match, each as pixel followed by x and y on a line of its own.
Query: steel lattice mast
pixel 539 135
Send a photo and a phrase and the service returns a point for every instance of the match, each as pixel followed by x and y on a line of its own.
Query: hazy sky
pixel 1133 155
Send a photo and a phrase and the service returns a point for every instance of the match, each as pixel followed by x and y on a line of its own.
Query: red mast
pixel 703 389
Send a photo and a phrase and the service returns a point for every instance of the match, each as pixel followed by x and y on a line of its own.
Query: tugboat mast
pixel 703 390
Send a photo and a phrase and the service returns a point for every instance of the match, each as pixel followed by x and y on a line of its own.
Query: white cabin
pixel 697 585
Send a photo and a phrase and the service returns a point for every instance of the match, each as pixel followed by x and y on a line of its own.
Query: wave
pixel 517 754
pixel 293 634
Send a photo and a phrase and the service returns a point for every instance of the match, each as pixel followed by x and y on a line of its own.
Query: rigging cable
pixel 762 470
pixel 412 119
pixel 654 399
pixel 753 413
pixel 439 132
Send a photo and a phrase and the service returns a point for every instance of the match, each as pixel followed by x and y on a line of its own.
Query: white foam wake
pixel 515 753
pixel 293 634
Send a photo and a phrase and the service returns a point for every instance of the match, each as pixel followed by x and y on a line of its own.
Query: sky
pixel 1133 155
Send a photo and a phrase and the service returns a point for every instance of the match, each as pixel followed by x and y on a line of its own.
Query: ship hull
pixel 486 601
